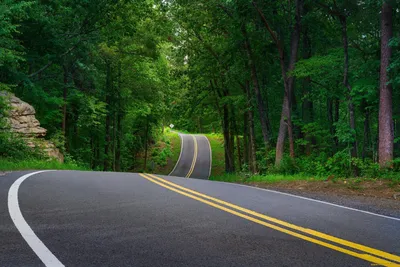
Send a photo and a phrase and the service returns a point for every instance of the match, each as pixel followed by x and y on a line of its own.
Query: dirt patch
pixel 377 189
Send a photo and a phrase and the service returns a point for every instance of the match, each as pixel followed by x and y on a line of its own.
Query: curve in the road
pixel 122 219
pixel 195 157
pixel 44 254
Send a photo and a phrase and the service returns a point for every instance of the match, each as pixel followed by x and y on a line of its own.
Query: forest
pixel 301 86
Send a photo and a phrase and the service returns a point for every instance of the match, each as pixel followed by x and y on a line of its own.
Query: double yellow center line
pixel 194 157
pixel 372 255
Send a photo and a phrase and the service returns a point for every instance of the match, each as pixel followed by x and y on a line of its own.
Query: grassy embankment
pixel 163 155
pixel 161 160
pixel 35 164
pixel 16 155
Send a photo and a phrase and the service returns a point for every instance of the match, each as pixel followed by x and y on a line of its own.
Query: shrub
pixel 14 147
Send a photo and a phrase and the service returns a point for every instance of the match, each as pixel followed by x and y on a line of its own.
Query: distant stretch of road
pixel 71 218
pixel 195 157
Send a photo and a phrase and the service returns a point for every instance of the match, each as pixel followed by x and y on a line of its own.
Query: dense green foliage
pixel 95 71
pixel 214 39
pixel 105 76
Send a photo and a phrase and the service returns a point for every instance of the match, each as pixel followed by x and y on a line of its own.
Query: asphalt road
pixel 119 219
pixel 195 157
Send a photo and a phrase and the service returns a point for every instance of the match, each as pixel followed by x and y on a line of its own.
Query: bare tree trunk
pixel 386 133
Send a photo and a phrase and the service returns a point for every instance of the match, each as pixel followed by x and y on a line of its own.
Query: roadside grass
pixel 175 148
pixel 218 157
pixel 35 164
pixel 163 155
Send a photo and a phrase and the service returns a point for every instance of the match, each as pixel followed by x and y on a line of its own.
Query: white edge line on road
pixel 180 154
pixel 314 200
pixel 209 145
pixel 44 254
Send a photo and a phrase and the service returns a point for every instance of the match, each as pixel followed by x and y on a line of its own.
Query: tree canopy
pixel 310 86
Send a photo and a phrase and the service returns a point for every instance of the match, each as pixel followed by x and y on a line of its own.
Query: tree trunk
pixel 146 144
pixel 64 109
pixel 329 104
pixel 107 140
pixel 252 136
pixel 386 133
pixel 108 118
pixel 93 152
pixel 97 155
pixel 336 120
pixel 262 112
pixel 286 121
pixel 343 22
pixel 235 134
pixel 119 138
pixel 308 117
pixel 232 148
pixel 308 105
pixel 252 142
pixel 367 130
pixel 119 125
pixel 245 139
pixel 113 138
pixel 227 140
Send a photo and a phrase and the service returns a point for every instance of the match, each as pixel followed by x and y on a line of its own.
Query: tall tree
pixel 286 125
pixel 386 132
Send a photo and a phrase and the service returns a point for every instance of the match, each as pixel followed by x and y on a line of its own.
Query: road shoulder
pixel 381 202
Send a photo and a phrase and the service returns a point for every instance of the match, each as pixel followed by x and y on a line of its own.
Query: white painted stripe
pixel 314 200
pixel 209 145
pixel 180 154
pixel 25 230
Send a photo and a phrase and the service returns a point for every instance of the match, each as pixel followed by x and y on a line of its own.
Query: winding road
pixel 195 157
pixel 72 218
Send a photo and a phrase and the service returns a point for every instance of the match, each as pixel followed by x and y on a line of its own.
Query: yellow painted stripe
pixel 289 225
pixel 305 230
pixel 194 157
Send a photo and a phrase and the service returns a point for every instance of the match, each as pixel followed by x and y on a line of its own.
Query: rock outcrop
pixel 21 120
